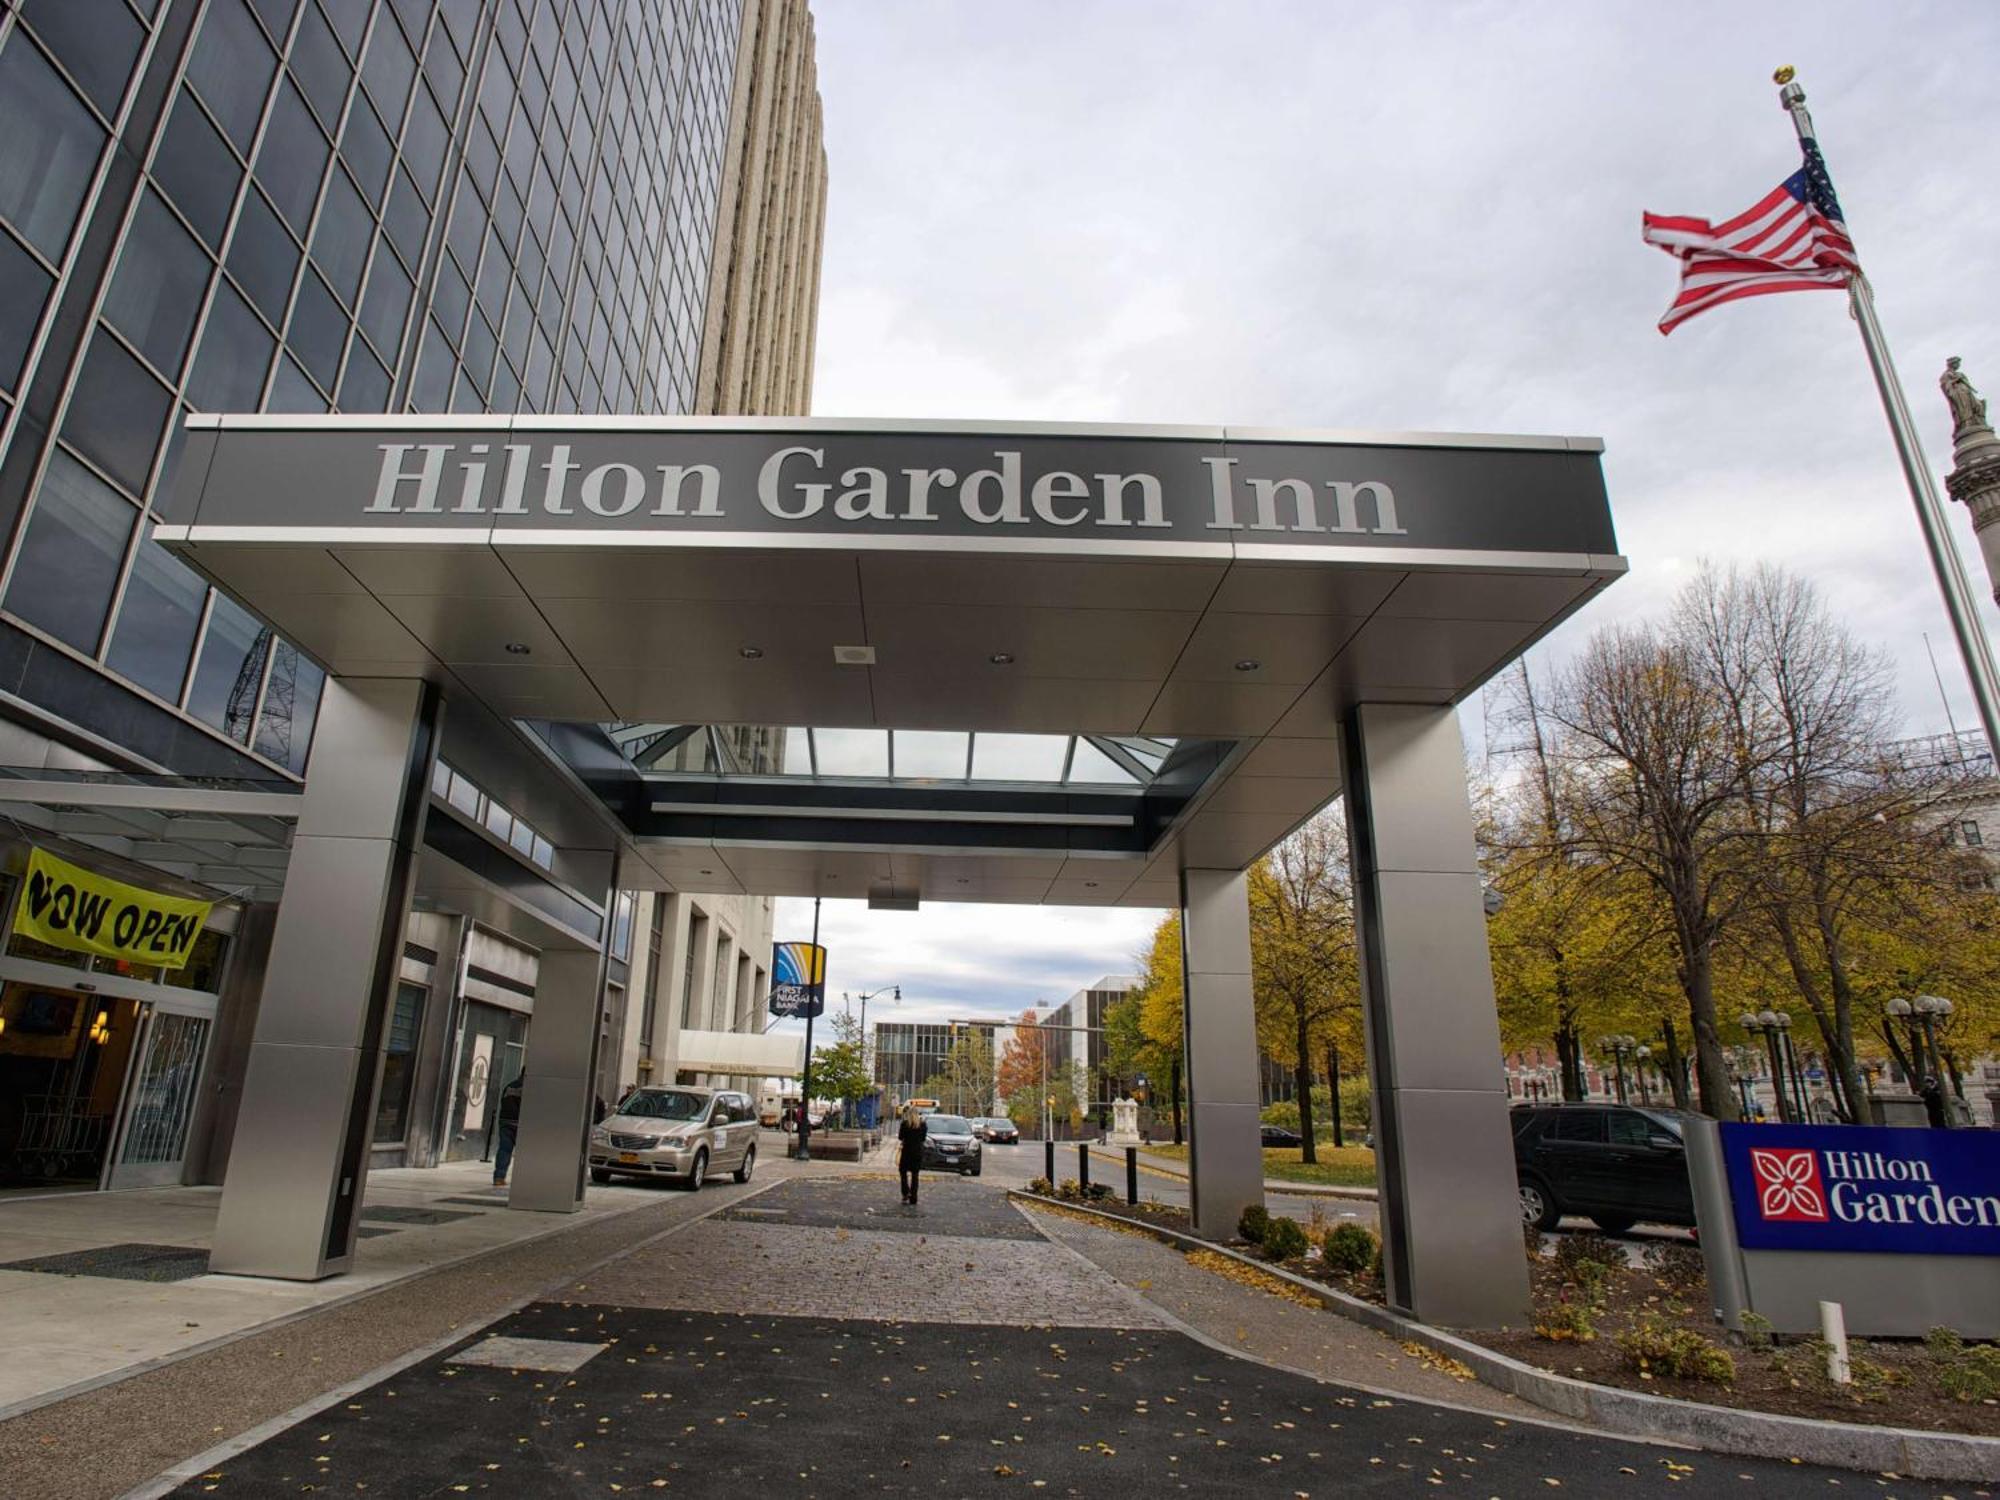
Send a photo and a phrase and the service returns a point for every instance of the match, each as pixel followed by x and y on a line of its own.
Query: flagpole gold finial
pixel 1785 74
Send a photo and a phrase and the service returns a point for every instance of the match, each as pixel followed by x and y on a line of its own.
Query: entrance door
pixel 492 1045
pixel 64 1056
pixel 151 1152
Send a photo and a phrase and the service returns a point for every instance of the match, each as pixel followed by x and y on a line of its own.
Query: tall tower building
pixel 343 206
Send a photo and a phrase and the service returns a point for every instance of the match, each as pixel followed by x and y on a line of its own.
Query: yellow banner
pixel 69 907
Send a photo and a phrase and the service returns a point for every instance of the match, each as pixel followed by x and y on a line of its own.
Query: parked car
pixel 950 1145
pixel 682 1134
pixel 1617 1164
pixel 1277 1135
pixel 996 1132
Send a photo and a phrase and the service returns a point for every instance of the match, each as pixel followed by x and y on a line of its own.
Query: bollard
pixel 1833 1331
pixel 1132 1175
pixel 1083 1165
pixel 1049 1160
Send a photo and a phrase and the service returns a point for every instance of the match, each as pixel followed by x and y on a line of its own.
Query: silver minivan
pixel 681 1133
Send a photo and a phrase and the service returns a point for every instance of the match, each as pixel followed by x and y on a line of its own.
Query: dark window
pixel 70 555
pixel 365 386
pixel 445 72
pixel 97 43
pixel 318 331
pixel 117 413
pixel 51 151
pixel 157 622
pixel 224 694
pixel 407 220
pixel 291 704
pixel 263 256
pixel 350 20
pixel 1629 1129
pixel 1579 1125
pixel 450 297
pixel 388 69
pixel 292 390
pixel 197 170
pixel 386 304
pixel 293 156
pixel 424 144
pixel 157 291
pixel 432 387
pixel 235 353
pixel 320 66
pixel 340 241
pixel 1973 837
pixel 24 290
pixel 232 68
pixel 277 15
pixel 399 1066
pixel 479 346
pixel 367 151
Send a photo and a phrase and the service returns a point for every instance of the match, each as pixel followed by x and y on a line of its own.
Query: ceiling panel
pixel 702 637
pixel 1218 710
pixel 1290 649
pixel 1271 794
pixel 1445 655
pixel 1487 596
pixel 1007 701
pixel 831 696
pixel 351 633
pixel 1276 756
pixel 1043 642
pixel 1035 582
pixel 548 691
pixel 479 630
pixel 1305 588
pixel 684 573
pixel 467 570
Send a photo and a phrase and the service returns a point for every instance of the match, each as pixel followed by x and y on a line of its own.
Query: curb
pixel 1717 1429
pixel 1271 1184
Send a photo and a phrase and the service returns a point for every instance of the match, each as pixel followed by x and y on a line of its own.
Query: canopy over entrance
pixel 909 661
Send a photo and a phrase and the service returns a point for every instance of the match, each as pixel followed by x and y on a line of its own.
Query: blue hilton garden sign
pixel 1855 1188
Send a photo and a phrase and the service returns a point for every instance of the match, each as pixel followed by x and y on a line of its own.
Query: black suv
pixel 1617 1164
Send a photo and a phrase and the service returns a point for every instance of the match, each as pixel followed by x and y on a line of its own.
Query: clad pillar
pixel 291 1199
pixel 1450 1211
pixel 1225 1152
pixel 559 1083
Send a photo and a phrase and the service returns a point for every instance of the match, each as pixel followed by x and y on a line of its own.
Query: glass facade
pixel 312 206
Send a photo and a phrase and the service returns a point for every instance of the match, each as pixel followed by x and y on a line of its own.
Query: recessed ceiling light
pixel 1247 665
pixel 751 653
pixel 1002 658
pixel 517 648
pixel 1090 885
pixel 708 872
pixel 963 881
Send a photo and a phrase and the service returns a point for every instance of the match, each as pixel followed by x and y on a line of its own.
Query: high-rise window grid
pixel 408 204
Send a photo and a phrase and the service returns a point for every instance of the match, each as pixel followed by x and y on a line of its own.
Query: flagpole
pixel 1973 646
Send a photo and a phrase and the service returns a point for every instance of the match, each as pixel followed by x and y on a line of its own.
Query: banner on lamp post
pixel 798 980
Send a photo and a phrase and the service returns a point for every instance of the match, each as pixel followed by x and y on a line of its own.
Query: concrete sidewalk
pixel 95 1286
pixel 1168 1166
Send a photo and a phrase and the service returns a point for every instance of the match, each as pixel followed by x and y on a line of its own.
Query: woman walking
pixel 910 1151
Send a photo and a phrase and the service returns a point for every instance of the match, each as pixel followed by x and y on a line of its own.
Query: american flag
pixel 1792 240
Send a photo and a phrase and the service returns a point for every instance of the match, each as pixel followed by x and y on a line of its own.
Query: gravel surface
pixel 105 1441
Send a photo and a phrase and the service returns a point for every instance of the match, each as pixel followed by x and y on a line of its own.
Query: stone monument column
pixel 1974 479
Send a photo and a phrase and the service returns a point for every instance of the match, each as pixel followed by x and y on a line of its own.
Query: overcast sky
pixel 1408 217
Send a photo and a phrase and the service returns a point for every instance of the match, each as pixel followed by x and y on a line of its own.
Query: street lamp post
pixel 1620 1047
pixel 1767 1024
pixel 1921 1016
pixel 1743 1064
pixel 1644 1055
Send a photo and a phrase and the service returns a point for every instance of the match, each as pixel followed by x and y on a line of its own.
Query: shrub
pixel 1653 1346
pixel 1576 1250
pixel 1348 1247
pixel 1069 1190
pixel 1965 1372
pixel 1255 1223
pixel 1042 1185
pixel 1678 1268
pixel 1756 1330
pixel 1566 1322
pixel 1097 1192
pixel 1284 1238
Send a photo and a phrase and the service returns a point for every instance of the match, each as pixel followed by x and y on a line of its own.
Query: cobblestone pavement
pixel 945 1206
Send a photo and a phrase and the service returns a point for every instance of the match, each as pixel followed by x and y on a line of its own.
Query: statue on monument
pixel 1968 407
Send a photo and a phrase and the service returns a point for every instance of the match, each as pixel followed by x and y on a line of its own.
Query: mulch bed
pixel 1896 1380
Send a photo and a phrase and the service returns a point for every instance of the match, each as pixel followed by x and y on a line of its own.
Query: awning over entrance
pixel 776 1054
pixel 606 584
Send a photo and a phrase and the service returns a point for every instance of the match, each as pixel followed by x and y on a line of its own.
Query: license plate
pixel 630 1157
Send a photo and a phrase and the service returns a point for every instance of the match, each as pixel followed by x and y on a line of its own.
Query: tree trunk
pixel 1333 1091
pixel 1845 1060
pixel 1711 1067
pixel 1569 1057
pixel 1302 1080
pixel 1677 1078
pixel 1174 1090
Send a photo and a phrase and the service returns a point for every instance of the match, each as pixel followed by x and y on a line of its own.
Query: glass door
pixel 172 1046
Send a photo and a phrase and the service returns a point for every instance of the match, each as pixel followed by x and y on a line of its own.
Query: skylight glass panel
pixel 936 754
pixel 852 752
pixel 1018 757
pixel 1092 765
pixel 798 753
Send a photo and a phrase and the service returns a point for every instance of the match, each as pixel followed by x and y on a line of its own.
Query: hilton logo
pixel 1788 1186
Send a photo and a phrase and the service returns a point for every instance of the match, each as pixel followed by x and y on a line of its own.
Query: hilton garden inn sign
pixel 561 477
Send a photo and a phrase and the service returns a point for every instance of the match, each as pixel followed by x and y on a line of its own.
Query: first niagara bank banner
pixel 1858 1188
pixel 798 980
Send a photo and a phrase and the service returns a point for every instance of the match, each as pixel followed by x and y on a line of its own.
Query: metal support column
pixel 1225 1157
pixel 1450 1215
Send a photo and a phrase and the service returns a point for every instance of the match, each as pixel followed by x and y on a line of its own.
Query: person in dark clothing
pixel 910 1151
pixel 510 1127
